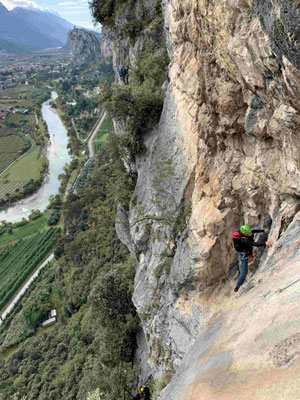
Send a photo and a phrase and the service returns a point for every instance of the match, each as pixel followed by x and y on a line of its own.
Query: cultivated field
pixel 18 262
pixel 28 167
pixel 25 231
pixel 10 149
pixel 20 105
pixel 106 127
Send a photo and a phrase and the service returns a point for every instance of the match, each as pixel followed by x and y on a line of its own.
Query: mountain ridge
pixel 37 28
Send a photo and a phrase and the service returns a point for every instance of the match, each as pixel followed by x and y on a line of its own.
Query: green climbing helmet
pixel 245 229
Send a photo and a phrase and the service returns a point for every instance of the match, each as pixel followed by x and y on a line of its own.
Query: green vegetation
pixel 10 148
pixel 106 127
pixel 24 176
pixel 22 230
pixel 15 48
pixel 139 103
pixel 18 261
pixel 74 143
pixel 107 11
pixel 89 351
pixel 158 385
pixel 22 132
pixel 90 286
pixel 41 94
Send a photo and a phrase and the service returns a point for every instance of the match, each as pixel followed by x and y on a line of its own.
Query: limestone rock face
pixel 227 146
pixel 250 346
pixel 85 47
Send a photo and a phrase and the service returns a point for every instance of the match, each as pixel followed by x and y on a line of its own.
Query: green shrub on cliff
pixel 140 103
pixel 107 11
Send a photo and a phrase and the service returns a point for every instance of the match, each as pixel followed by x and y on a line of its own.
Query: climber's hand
pixel 267 230
pixel 269 244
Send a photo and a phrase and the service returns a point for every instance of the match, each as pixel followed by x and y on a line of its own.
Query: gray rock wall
pixel 227 145
pixel 85 47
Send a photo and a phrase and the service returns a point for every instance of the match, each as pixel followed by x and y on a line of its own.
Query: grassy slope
pixel 106 127
pixel 10 146
pixel 15 48
pixel 29 165
pixel 22 232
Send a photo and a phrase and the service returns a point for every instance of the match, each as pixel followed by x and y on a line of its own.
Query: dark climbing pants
pixel 244 269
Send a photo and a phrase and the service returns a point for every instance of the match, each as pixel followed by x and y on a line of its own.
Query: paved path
pixel 23 289
pixel 93 134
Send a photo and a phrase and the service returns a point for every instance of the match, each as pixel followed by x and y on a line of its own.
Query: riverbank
pixel 24 177
pixel 58 156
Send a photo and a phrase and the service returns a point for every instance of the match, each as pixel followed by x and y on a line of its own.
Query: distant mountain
pixel 15 48
pixel 46 23
pixel 3 9
pixel 33 27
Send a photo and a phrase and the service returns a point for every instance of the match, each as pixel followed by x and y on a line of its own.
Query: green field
pixel 25 231
pixel 10 149
pixel 29 166
pixel 19 261
pixel 106 127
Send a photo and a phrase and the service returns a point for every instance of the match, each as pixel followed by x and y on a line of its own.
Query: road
pixel 23 289
pixel 93 134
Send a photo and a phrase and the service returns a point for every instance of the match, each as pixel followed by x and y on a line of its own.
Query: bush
pixel 54 218
pixel 20 223
pixel 103 10
pixel 35 214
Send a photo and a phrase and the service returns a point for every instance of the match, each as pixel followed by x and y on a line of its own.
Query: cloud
pixel 71 12
pixel 73 3
pixel 10 4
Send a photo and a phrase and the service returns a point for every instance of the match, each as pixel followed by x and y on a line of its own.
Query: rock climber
pixel 145 392
pixel 126 74
pixel 122 74
pixel 243 243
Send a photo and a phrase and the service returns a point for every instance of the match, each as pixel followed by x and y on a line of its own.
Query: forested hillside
pixel 90 286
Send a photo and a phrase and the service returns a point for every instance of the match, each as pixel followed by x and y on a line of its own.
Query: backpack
pixel 237 235
pixel 121 72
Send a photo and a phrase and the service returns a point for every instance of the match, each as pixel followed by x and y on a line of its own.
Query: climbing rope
pixel 277 252
pixel 291 284
pixel 288 251
pixel 280 290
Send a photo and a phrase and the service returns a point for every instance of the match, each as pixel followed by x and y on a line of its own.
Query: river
pixel 58 156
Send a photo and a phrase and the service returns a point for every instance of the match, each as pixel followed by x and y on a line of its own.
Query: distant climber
pixel 126 74
pixel 145 393
pixel 122 74
pixel 243 244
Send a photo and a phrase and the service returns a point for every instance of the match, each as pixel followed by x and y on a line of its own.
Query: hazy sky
pixel 75 11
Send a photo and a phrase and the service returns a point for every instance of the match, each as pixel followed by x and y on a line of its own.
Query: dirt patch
pixel 286 350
